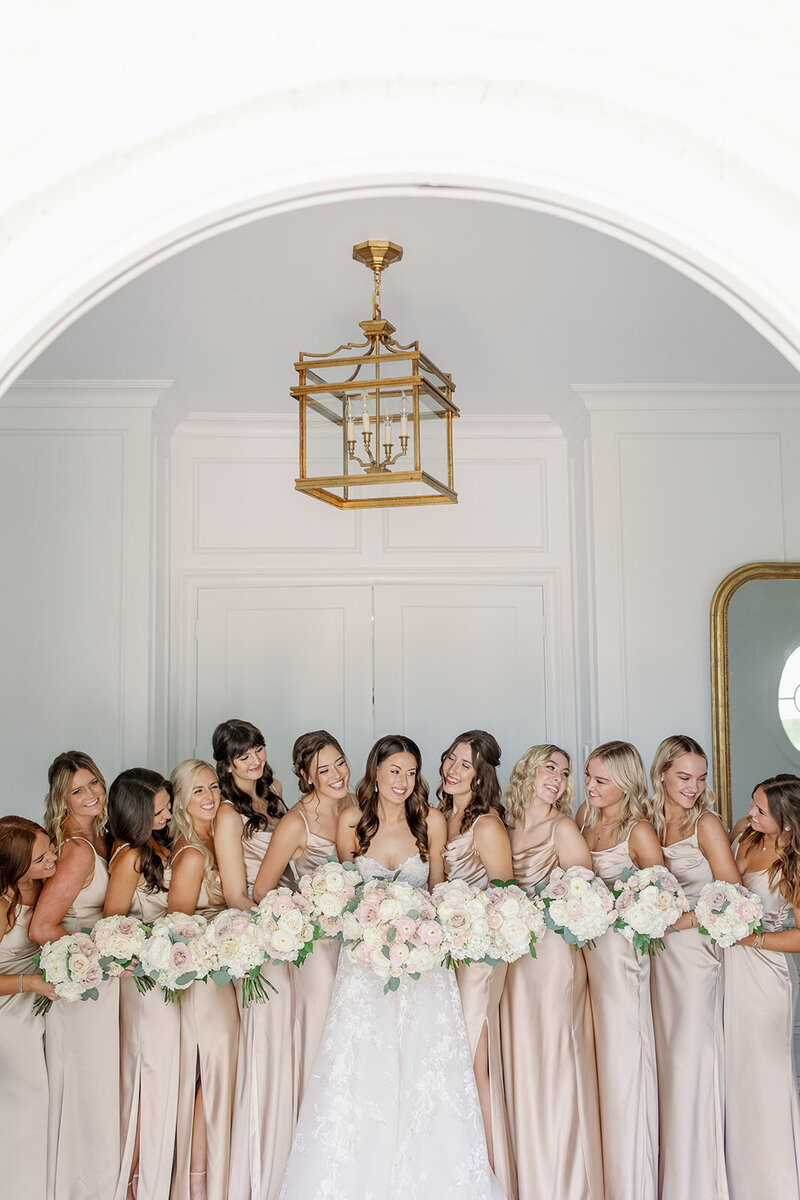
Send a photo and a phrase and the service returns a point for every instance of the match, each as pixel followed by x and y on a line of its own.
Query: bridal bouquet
pixel 499 924
pixel 284 926
pixel 462 912
pixel 516 923
pixel 578 905
pixel 239 953
pixel 72 965
pixel 646 903
pixel 329 890
pixel 176 953
pixel 119 942
pixel 393 932
pixel 727 912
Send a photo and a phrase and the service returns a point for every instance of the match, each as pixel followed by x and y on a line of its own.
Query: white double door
pixel 429 661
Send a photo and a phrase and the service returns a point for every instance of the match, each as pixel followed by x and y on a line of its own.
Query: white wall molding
pixel 86 393
pixel 640 399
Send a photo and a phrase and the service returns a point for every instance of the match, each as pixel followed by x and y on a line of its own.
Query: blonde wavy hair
pixel 517 795
pixel 59 779
pixel 672 748
pixel 624 765
pixel 180 826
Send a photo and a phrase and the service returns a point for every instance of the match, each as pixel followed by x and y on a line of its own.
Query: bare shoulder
pixel 4 907
pixel 277 788
pixel 741 826
pixel 349 817
pixel 709 826
pixel 186 857
pixel 435 823
pixel 76 851
pixel 490 827
pixel 125 861
pixel 228 818
pixel 580 815
pixel 644 835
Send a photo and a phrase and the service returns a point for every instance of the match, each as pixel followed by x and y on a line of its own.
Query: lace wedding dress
pixel 391 1110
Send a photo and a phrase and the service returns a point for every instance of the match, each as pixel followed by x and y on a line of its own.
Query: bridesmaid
pixel 83 1150
pixel 762 1116
pixel 209 1018
pixel 614 824
pixel 306 838
pixel 263 1115
pixel 138 815
pixel 27 858
pixel 546 1016
pixel 478 850
pixel 686 980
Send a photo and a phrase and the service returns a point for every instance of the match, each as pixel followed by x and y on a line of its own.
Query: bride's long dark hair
pixel 367 794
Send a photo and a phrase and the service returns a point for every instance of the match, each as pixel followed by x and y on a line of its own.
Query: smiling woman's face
pixel 551 779
pixel 85 795
pixel 396 777
pixel 203 800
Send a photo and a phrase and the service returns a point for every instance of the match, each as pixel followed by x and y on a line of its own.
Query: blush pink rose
pixel 575 907
pixel 430 933
pixel 398 954
pixel 557 890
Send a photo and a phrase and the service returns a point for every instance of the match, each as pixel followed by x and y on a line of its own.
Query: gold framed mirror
pixel 755 680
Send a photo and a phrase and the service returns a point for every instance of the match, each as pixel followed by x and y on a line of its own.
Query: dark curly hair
pixel 230 739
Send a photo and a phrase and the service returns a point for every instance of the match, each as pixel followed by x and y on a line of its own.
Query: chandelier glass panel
pixel 376 418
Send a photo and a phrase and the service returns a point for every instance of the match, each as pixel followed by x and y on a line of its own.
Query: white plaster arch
pixel 123 152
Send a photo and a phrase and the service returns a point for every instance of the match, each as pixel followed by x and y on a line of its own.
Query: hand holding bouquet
pixel 646 903
pixel 578 905
pixel 393 932
pixel 728 912
pixel 72 966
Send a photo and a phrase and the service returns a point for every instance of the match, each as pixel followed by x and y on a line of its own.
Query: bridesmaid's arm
pixel 713 841
pixel 75 865
pixel 644 846
pixel 286 843
pixel 787 941
pixel 186 881
pixel 494 848
pixel 228 832
pixel 346 834
pixel 11 985
pixel 124 879
pixel 571 846
pixel 437 838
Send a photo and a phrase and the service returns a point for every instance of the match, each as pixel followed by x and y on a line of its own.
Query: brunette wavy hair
pixel 523 776
pixel 486 794
pixel 367 794
pixel 623 762
pixel 783 799
pixel 59 780
pixel 130 820
pixel 230 739
pixel 669 750
pixel 17 836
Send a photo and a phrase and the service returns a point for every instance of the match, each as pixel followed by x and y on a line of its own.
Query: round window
pixel 789 698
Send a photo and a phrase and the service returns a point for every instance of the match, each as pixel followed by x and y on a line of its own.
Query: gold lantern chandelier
pixel 376 418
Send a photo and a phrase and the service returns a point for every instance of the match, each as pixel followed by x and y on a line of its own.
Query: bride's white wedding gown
pixel 391 1110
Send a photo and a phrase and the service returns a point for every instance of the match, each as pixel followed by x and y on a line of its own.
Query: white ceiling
pixel 517 305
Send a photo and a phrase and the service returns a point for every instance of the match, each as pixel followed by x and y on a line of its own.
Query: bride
pixel 391 1109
